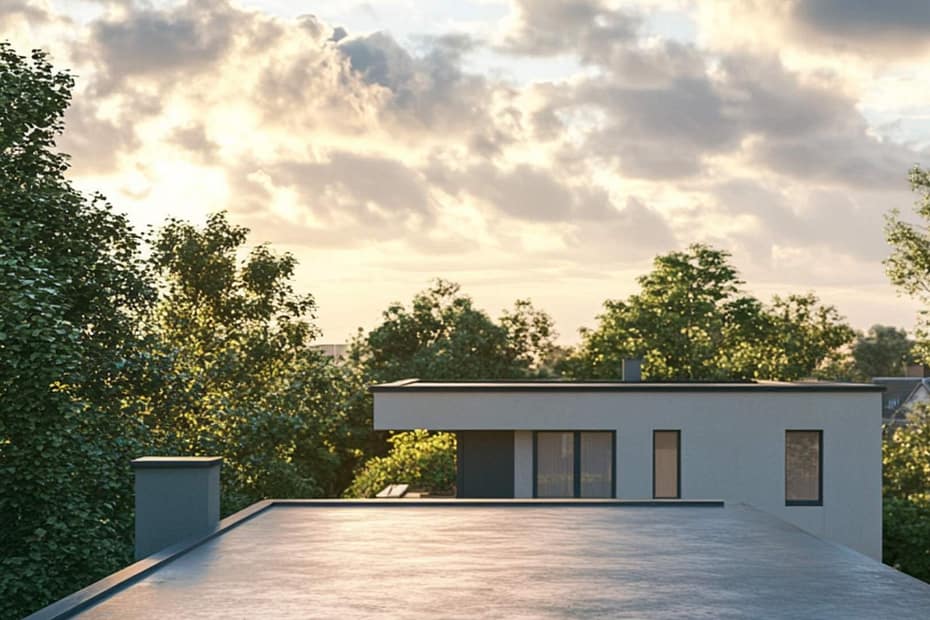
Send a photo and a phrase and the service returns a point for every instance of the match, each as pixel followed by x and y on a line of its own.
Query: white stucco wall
pixel 732 443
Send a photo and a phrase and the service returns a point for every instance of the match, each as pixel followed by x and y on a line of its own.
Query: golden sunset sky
pixel 523 149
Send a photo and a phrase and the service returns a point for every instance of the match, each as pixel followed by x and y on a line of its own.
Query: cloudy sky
pixel 543 149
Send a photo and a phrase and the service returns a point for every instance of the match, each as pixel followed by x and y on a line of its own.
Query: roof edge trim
pixel 92 594
pixel 412 387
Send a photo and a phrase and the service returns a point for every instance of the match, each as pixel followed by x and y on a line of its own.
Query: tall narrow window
pixel 555 464
pixel 803 468
pixel 597 455
pixel 666 464
pixel 574 464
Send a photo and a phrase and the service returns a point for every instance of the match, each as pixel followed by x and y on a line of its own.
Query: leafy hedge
pixel 906 488
pixel 906 538
pixel 424 461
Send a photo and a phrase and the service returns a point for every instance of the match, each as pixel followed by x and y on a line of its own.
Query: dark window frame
pixel 576 466
pixel 678 464
pixel 806 502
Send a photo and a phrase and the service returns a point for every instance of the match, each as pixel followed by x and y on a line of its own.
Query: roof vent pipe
pixel 176 498
pixel 633 369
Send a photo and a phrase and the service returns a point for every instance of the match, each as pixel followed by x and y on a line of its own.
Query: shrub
pixel 906 541
pixel 423 460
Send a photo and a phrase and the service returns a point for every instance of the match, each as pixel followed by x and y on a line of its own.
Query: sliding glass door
pixel 574 464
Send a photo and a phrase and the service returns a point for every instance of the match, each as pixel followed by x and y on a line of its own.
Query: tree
pixel 800 336
pixel 906 456
pixel 908 267
pixel 884 351
pixel 72 291
pixel 442 336
pixel 906 491
pixel 424 461
pixel 691 321
pixel 907 449
pixel 232 371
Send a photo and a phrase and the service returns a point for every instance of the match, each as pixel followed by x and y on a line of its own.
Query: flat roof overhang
pixel 413 386
pixel 442 558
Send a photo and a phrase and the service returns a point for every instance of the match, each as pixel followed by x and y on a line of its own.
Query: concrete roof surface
pixel 331 561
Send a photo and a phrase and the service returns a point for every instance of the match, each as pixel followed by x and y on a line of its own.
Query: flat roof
pixel 513 559
pixel 550 385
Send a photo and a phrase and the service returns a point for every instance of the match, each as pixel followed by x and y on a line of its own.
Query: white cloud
pixel 383 159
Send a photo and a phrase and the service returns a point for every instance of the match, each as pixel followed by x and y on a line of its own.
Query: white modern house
pixel 808 453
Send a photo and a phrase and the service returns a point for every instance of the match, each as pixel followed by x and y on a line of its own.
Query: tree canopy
pixel 906 491
pixel 691 320
pixel 443 336
pixel 72 288
pixel 233 373
pixel 908 266
pixel 106 356
pixel 906 450
pixel 884 351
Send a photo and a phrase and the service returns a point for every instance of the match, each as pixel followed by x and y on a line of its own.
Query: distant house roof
pixel 899 393
pixel 420 559
pixel 415 385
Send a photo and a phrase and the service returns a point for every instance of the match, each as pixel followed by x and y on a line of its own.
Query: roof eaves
pixel 414 386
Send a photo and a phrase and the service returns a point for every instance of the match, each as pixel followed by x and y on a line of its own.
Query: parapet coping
pixel 176 462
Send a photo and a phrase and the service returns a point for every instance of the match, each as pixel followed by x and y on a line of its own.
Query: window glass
pixel 665 464
pixel 802 466
pixel 596 464
pixel 555 464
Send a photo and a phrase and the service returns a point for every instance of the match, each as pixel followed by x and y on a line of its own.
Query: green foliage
pixel 691 321
pixel 883 352
pixel 232 373
pixel 908 267
pixel 423 460
pixel 906 490
pixel 906 456
pixel 906 532
pixel 72 286
pixel 443 336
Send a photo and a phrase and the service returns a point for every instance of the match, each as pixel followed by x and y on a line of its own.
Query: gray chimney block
pixel 176 498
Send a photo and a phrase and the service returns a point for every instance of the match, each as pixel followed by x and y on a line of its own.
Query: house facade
pixel 808 453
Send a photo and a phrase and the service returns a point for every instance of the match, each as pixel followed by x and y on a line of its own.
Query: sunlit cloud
pixel 544 149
